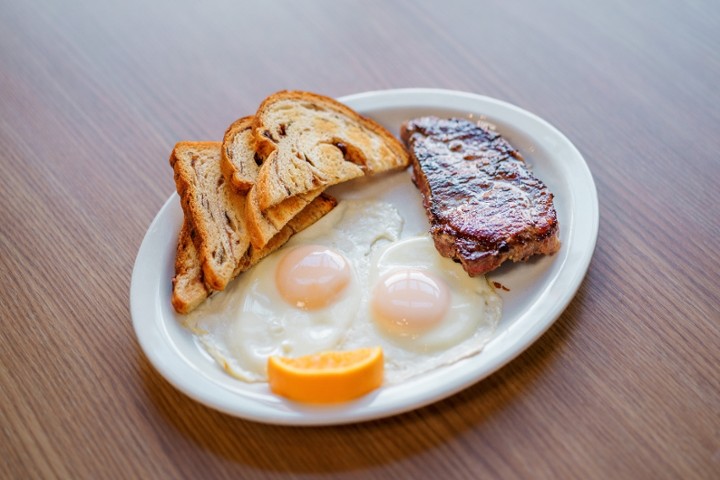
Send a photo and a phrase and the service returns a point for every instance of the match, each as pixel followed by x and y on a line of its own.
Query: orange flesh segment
pixel 327 377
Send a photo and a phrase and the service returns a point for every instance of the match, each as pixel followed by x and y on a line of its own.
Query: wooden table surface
pixel 93 95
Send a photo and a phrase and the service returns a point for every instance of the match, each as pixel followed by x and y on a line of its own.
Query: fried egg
pixel 350 281
pixel 423 310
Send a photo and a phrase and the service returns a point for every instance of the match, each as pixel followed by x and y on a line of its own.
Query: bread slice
pixel 188 284
pixel 189 288
pixel 306 143
pixel 214 209
pixel 240 162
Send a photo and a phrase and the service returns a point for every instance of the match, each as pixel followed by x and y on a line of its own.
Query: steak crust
pixel 483 203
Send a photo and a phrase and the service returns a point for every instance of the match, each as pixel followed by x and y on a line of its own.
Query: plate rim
pixel 150 334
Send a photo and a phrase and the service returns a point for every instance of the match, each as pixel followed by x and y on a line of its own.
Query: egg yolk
pixel 409 301
pixel 312 276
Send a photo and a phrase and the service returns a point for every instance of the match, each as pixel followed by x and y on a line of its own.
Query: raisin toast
pixel 240 161
pixel 214 209
pixel 188 285
pixel 305 143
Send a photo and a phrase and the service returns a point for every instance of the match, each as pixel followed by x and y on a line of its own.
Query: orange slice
pixel 327 377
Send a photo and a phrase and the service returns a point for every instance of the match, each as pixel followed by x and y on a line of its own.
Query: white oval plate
pixel 539 290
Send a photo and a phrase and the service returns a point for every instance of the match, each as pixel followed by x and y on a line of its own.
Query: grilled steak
pixel 483 203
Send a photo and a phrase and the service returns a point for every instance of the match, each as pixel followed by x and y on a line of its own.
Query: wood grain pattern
pixel 93 96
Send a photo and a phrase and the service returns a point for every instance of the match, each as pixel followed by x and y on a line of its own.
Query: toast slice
pixel 188 284
pixel 305 143
pixel 213 208
pixel 189 288
pixel 240 162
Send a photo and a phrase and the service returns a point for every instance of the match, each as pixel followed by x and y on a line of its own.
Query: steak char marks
pixel 483 203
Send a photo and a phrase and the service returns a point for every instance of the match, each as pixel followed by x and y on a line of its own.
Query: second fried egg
pixel 423 310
